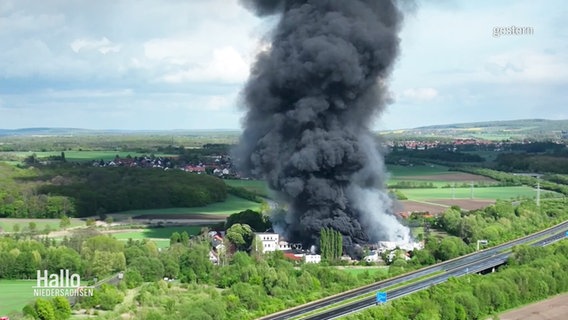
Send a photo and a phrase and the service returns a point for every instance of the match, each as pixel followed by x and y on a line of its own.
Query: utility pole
pixel 538 194
pixel 471 190
pixel 454 190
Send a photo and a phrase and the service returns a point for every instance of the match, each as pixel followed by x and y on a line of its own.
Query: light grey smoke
pixel 310 100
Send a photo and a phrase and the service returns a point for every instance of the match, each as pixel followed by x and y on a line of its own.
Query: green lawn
pixel 478 193
pixel 231 205
pixel 257 186
pixel 164 232
pixel 161 236
pixel 7 224
pixel 15 294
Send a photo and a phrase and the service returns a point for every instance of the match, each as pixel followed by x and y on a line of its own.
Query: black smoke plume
pixel 310 99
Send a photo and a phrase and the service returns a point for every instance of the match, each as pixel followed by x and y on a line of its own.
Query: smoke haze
pixel 310 100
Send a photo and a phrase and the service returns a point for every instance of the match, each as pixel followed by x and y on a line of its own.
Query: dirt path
pixel 552 309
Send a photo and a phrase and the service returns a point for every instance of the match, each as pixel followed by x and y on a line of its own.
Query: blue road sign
pixel 566 233
pixel 381 297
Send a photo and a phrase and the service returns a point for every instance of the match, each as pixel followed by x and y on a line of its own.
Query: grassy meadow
pixel 257 186
pixel 15 294
pixel 504 193
pixel 231 205
pixel 400 172
pixel 161 236
pixel 75 155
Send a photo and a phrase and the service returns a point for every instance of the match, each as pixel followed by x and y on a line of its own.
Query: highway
pixel 474 267
pixel 471 263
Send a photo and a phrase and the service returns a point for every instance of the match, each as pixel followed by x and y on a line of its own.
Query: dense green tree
pixel 151 269
pixel 175 238
pixel 331 244
pixel 44 310
pixel 195 265
pixel 61 307
pixel 257 221
pixel 133 278
pixel 184 238
pixel 240 235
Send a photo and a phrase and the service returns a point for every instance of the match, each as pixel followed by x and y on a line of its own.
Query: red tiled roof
pixel 292 256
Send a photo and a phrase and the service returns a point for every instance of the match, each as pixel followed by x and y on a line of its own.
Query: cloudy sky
pixel 176 64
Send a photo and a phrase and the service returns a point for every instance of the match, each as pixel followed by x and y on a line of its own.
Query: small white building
pixel 284 246
pixel 384 246
pixel 270 241
pixel 312 258
pixel 373 257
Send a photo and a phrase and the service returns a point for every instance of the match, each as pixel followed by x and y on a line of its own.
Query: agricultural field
pixel 215 211
pixel 7 224
pixel 15 294
pixel 489 193
pixel 555 308
pixel 400 172
pixel 435 176
pixel 438 195
pixel 257 186
pixel 75 155
pixel 161 236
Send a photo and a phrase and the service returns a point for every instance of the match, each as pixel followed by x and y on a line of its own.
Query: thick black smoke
pixel 310 99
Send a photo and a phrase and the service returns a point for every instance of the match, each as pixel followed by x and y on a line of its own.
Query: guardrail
pixel 474 267
pixel 314 305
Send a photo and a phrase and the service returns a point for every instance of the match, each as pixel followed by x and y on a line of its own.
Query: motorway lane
pixel 478 266
pixel 444 266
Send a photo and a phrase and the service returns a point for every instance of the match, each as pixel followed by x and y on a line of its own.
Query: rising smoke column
pixel 310 100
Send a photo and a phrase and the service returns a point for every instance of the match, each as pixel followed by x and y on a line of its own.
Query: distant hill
pixel 490 130
pixel 86 132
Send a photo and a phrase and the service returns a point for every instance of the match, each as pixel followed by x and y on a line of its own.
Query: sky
pixel 176 64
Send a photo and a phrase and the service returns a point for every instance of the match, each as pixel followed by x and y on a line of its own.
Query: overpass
pixel 472 263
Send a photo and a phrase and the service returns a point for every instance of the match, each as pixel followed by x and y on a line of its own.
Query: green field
pixel 7 224
pixel 15 294
pixel 505 193
pixel 77 155
pixel 161 236
pixel 399 172
pixel 257 186
pixel 231 205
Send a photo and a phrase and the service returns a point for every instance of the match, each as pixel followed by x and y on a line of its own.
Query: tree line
pixel 550 182
pixel 85 191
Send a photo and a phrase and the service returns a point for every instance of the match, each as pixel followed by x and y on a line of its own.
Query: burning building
pixel 310 101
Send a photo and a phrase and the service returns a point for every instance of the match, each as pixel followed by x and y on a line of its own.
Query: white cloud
pixel 182 57
pixel 419 94
pixel 525 67
pixel 226 65
pixel 78 93
pixel 103 46
pixel 178 51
